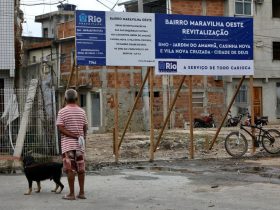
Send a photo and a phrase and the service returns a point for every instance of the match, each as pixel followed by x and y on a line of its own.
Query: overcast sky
pixel 30 28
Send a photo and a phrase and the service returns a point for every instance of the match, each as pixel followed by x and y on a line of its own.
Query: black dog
pixel 42 171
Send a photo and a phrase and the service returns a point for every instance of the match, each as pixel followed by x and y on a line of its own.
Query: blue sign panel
pixel 174 44
pixel 204 37
pixel 90 38
pixel 203 45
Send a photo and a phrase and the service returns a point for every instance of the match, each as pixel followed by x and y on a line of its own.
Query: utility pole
pixel 140 6
pixel 145 94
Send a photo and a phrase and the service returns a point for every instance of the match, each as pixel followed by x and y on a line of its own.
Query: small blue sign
pixel 90 38
pixel 167 66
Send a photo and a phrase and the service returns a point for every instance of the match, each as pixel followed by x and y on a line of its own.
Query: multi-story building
pixel 266 88
pixel 11 18
pixel 50 20
pixel 41 54
pixel 7 50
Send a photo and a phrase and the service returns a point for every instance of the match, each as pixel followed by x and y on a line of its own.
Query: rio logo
pixel 83 18
pixel 167 66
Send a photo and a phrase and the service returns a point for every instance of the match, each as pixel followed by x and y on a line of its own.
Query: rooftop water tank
pixel 66 7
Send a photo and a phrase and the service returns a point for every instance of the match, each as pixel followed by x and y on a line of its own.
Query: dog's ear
pixel 28 160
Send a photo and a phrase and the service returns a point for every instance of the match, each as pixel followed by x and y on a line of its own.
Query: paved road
pixel 192 185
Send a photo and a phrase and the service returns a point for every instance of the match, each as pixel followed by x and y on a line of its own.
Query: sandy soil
pixel 173 145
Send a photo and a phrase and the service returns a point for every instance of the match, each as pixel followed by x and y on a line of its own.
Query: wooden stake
pixel 133 107
pixel 225 116
pixel 71 74
pixel 76 77
pixel 70 78
pixel 191 144
pixel 169 112
pixel 116 118
pixel 151 115
pixel 252 113
pixel 114 141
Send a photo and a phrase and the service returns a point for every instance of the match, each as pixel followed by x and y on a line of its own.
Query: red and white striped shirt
pixel 73 118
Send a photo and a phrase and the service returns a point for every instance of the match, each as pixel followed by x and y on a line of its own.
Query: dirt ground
pixel 173 145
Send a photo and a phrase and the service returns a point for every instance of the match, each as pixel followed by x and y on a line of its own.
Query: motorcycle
pixel 259 121
pixel 233 121
pixel 205 122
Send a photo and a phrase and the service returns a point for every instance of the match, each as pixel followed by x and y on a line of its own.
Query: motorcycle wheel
pixel 196 125
pixel 227 124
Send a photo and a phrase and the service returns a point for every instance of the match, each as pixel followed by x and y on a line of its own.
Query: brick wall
pixel 215 99
pixel 65 56
pixel 65 30
pixel 215 8
pixel 189 7
pixel 194 7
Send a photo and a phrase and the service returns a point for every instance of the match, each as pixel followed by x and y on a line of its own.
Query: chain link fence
pixel 39 135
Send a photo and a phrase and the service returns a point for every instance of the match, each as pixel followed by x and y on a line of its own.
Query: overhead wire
pixel 154 4
pixel 104 5
pixel 43 3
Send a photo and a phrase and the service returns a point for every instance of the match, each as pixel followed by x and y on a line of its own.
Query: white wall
pixel 7 45
pixel 40 53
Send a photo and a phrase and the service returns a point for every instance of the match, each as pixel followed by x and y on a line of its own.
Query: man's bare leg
pixel 81 178
pixel 71 183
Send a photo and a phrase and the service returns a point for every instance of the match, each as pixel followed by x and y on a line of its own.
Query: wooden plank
pixel 252 113
pixel 169 112
pixel 133 108
pixel 71 75
pixel 225 116
pixel 116 118
pixel 25 117
pixel 151 115
pixel 191 144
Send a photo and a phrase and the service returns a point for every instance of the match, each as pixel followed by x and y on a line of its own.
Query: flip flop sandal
pixel 66 197
pixel 81 197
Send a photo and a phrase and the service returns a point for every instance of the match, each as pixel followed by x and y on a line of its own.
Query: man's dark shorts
pixel 74 160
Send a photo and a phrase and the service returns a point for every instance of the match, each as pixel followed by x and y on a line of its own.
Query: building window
pixel 276 8
pixel 72 56
pixel 83 100
pixel 243 7
pixel 197 99
pixel 242 96
pixel 34 59
pixel 276 50
pixel 156 94
pixel 95 109
pixel 45 33
pixel 62 58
